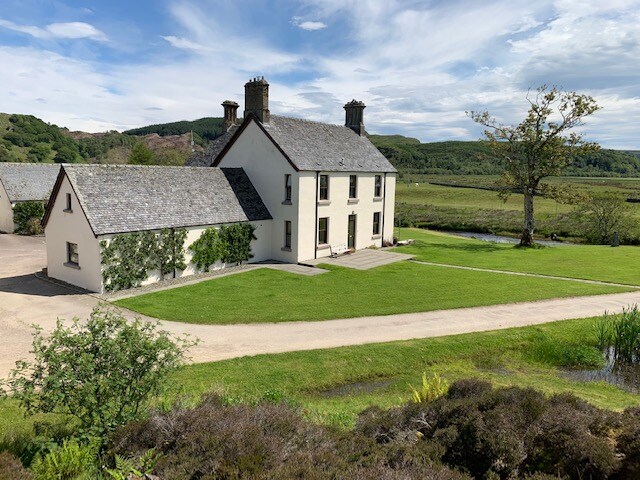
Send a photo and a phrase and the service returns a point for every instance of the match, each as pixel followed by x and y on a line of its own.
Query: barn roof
pixel 28 181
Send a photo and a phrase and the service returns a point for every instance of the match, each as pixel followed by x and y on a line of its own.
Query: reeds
pixel 620 334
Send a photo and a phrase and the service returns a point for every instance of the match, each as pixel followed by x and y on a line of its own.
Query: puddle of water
pixel 355 388
pixel 624 376
pixel 489 237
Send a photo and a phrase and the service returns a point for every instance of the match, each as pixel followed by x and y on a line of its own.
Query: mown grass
pixel 266 295
pixel 590 262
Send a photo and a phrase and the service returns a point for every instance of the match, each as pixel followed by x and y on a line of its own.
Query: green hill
pixel 204 129
pixel 474 158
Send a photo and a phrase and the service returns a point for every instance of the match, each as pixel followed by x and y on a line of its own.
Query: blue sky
pixel 418 65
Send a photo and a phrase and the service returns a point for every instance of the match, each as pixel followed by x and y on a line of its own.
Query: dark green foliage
pixel 170 250
pixel 23 215
pixel 475 158
pixel 127 259
pixel 96 146
pixel 12 469
pixel 65 154
pixel 228 244
pixel 141 155
pixel 99 372
pixel 204 129
pixel 39 153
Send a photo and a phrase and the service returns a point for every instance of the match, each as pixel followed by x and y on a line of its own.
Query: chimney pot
pixel 256 99
pixel 354 116
pixel 230 114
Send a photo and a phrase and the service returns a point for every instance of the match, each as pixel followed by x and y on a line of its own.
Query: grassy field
pixel 403 287
pixel 420 203
pixel 591 262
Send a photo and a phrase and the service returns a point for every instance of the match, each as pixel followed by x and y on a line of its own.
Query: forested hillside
pixel 204 129
pixel 474 158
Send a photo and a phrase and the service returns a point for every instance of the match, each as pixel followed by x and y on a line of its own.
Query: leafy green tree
pixel 25 213
pixel 101 372
pixel 141 155
pixel 39 153
pixel 540 146
pixel 65 155
pixel 604 215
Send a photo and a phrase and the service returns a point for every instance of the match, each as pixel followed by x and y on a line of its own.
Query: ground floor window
pixel 72 253
pixel 376 223
pixel 287 234
pixel 323 230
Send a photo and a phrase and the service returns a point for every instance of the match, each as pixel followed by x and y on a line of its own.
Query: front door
pixel 351 234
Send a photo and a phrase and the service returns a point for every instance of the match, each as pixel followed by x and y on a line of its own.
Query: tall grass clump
pixel 620 335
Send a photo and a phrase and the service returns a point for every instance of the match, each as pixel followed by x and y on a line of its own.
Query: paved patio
pixel 362 259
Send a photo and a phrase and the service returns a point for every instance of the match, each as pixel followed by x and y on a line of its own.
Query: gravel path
pixel 25 300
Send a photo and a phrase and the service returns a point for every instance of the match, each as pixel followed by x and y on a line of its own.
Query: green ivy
pixel 229 244
pixel 128 257
pixel 25 211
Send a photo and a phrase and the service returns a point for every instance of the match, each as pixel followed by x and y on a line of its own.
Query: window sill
pixel 67 210
pixel 376 237
pixel 324 202
pixel 286 249
pixel 75 266
pixel 286 202
pixel 323 246
pixel 353 201
pixel 377 199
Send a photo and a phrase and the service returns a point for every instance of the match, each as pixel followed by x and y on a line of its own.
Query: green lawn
pixel 266 295
pixel 591 262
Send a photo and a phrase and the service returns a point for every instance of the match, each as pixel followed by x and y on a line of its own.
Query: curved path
pixel 25 300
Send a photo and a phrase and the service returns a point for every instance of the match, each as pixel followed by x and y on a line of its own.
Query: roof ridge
pixel 317 122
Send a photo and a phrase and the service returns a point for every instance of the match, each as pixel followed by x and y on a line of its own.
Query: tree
pixel 65 155
pixel 101 372
pixel 603 216
pixel 141 155
pixel 540 146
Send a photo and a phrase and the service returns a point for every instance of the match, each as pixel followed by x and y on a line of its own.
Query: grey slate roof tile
pixel 327 147
pixel 129 198
pixel 28 181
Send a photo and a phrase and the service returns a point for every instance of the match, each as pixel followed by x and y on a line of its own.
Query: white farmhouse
pixel 23 182
pixel 310 189
pixel 326 186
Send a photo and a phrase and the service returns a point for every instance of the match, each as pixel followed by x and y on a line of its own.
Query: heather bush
pixel 11 468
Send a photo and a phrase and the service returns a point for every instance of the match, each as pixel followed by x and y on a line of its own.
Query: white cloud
pixel 184 43
pixel 308 24
pixel 69 30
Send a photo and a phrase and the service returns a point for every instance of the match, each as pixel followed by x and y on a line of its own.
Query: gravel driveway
pixel 25 300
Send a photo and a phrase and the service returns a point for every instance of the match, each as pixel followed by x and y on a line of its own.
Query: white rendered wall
pixel 266 167
pixel 339 207
pixel 6 212
pixel 63 227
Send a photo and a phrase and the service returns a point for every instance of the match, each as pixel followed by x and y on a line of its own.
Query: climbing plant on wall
pixel 229 244
pixel 128 257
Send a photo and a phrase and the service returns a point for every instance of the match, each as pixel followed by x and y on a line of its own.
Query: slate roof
pixel 129 198
pixel 327 147
pixel 28 181
pixel 206 158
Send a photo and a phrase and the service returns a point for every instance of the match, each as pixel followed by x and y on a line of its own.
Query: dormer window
pixel 68 205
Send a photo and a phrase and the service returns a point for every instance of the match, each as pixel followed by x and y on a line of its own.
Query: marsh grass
pixel 619 335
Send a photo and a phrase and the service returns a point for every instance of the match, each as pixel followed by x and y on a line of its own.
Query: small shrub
pixel 629 444
pixel 71 461
pixel 27 216
pixel 11 468
pixel 430 389
pixel 468 388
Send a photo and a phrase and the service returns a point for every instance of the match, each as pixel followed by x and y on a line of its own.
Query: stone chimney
pixel 256 99
pixel 230 114
pixel 355 116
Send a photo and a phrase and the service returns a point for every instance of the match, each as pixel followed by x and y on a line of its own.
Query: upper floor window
pixel 376 223
pixel 68 205
pixel 287 187
pixel 378 186
pixel 324 187
pixel 287 234
pixel 353 186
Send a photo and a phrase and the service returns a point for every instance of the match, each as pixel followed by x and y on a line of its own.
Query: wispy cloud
pixel 308 25
pixel 68 30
